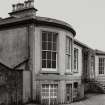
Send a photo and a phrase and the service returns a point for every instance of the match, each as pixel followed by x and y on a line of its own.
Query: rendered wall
pixel 13 46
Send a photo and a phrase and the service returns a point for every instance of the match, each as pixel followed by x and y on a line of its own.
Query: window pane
pixel 53 64
pixel 52 85
pixel 50 36
pixel 44 45
pixel 44 36
pixel 68 61
pixel 48 63
pixel 75 58
pixel 68 45
pixel 47 85
pixel 75 84
pixel 51 94
pixel 43 94
pixel 54 46
pixel 51 90
pixel 44 55
pixel 55 86
pixel 49 46
pixel 47 90
pixel 55 90
pixel 43 63
pixel 47 94
pixel 43 85
pixel 54 37
pixel 53 55
pixel 49 55
pixel 43 89
pixel 55 93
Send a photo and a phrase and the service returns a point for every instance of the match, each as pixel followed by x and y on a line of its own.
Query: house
pixel 47 63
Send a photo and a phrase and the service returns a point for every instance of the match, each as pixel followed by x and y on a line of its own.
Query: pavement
pixel 90 99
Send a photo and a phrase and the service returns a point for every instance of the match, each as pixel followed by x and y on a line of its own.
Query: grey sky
pixel 86 16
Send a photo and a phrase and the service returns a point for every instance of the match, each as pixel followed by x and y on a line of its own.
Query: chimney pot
pixel 29 3
pixel 20 6
pixel 17 6
pixel 32 3
pixel 14 7
pixel 26 4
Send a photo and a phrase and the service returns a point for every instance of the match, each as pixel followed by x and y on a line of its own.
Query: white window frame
pixel 69 55
pixel 50 69
pixel 101 66
pixel 49 91
pixel 77 57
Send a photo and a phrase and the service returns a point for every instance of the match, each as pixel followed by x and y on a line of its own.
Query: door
pixel 68 93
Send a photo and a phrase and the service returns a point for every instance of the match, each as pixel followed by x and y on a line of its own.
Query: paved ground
pixel 91 99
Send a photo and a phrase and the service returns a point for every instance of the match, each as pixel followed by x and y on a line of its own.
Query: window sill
pixel 49 72
pixel 75 72
pixel 68 73
pixel 101 74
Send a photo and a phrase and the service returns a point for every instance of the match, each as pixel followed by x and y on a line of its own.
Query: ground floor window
pixel 68 93
pixel 49 94
pixel 75 91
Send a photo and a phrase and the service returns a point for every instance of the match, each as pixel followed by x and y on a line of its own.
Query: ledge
pixel 49 72
pixel 75 72
pixel 69 73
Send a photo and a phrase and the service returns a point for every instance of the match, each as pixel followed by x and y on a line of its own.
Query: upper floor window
pixel 49 49
pixel 92 63
pixel 68 54
pixel 101 65
pixel 75 59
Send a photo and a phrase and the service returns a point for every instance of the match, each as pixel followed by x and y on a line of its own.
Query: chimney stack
pixel 25 8
pixel 26 4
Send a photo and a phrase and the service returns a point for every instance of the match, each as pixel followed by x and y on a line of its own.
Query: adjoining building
pixel 51 66
pixel 96 82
